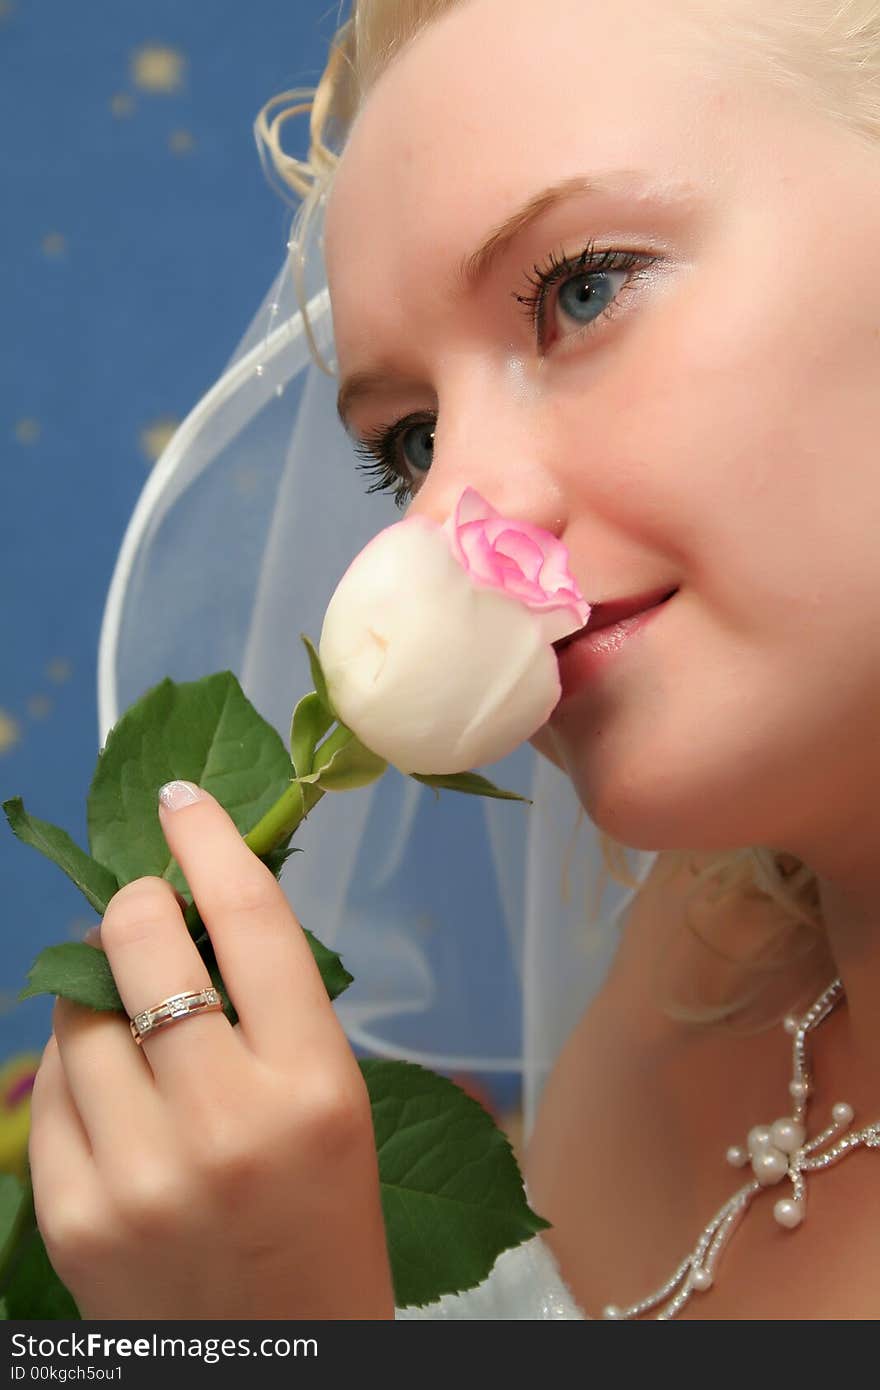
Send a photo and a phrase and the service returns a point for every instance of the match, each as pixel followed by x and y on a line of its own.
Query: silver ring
pixel 177 1006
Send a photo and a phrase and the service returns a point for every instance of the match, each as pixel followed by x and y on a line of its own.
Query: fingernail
pixel 94 935
pixel 175 795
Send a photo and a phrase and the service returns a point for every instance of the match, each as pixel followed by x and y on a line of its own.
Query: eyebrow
pixel 475 267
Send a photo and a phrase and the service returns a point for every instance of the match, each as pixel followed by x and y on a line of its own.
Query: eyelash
pixel 378 446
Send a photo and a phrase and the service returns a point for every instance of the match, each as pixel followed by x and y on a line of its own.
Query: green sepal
pixel 470 782
pixel 311 720
pixel 350 766
pixel 319 680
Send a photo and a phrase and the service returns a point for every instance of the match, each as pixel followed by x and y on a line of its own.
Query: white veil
pixel 476 930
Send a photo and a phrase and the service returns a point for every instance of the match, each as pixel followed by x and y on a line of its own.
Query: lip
pixel 606 614
pixel 583 656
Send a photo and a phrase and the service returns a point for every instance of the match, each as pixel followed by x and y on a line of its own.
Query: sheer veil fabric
pixel 477 930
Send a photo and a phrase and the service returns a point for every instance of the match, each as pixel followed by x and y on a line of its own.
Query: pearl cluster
pixel 770 1149
pixel 774 1151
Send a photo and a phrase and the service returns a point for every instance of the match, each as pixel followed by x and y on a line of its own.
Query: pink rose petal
pixel 516 557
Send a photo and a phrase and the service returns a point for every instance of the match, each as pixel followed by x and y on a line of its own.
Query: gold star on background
pixel 155 436
pixel 27 431
pixel 38 706
pixel 8 999
pixel 121 104
pixel 59 670
pixel 54 244
pixel 180 141
pixel 157 68
pixel 10 731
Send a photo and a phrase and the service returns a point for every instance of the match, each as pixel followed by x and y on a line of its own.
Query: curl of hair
pixel 825 52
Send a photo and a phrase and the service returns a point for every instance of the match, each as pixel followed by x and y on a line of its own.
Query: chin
pixel 660 811
pixel 619 819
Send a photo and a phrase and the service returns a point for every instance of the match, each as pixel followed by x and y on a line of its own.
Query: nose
pixel 495 444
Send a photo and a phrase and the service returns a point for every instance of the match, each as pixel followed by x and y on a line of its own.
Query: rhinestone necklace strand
pixel 775 1151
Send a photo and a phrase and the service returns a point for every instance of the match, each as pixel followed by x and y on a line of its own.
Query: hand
pixel 214 1171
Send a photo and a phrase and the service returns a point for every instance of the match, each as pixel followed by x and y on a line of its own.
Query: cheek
pixel 724 433
pixel 735 442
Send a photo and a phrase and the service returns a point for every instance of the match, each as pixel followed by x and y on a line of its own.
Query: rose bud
pixel 437 643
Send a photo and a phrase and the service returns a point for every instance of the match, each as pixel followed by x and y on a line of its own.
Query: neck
pixel 852 917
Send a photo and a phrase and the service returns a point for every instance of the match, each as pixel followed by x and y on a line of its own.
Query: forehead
pixel 495 100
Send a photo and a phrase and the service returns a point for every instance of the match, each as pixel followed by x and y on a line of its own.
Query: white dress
pixel 523 1283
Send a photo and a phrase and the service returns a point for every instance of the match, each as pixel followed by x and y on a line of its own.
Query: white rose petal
pixel 430 671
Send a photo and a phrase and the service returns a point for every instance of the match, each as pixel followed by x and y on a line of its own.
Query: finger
pixel 109 1079
pixel 264 958
pixel 62 1166
pixel 152 956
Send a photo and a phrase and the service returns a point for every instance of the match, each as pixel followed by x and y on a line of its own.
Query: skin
pixel 721 442
pixel 719 434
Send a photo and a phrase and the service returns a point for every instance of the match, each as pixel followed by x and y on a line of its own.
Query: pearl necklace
pixel 775 1151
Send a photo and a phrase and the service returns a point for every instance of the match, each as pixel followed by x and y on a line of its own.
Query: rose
pixel 437 642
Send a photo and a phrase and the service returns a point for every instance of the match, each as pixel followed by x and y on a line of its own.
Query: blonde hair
pixel 827 52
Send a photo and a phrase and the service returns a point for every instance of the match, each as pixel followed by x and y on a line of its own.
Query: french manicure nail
pixel 177 794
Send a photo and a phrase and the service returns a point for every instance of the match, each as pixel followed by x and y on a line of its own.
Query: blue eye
pixel 582 298
pixel 391 454
pixel 586 291
pixel 417 445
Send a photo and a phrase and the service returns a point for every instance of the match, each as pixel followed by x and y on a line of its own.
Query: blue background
pixel 138 236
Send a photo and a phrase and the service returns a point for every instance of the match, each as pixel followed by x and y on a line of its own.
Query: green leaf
pixel 30 1286
pixel 311 720
pixel 35 1290
pixel 451 1189
pixel 350 766
pixel 204 731
pixel 75 970
pixel 470 782
pixel 12 1194
pixel 95 882
pixel 319 680
pixel 334 974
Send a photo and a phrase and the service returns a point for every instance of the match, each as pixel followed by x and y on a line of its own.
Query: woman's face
pixel 707 418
